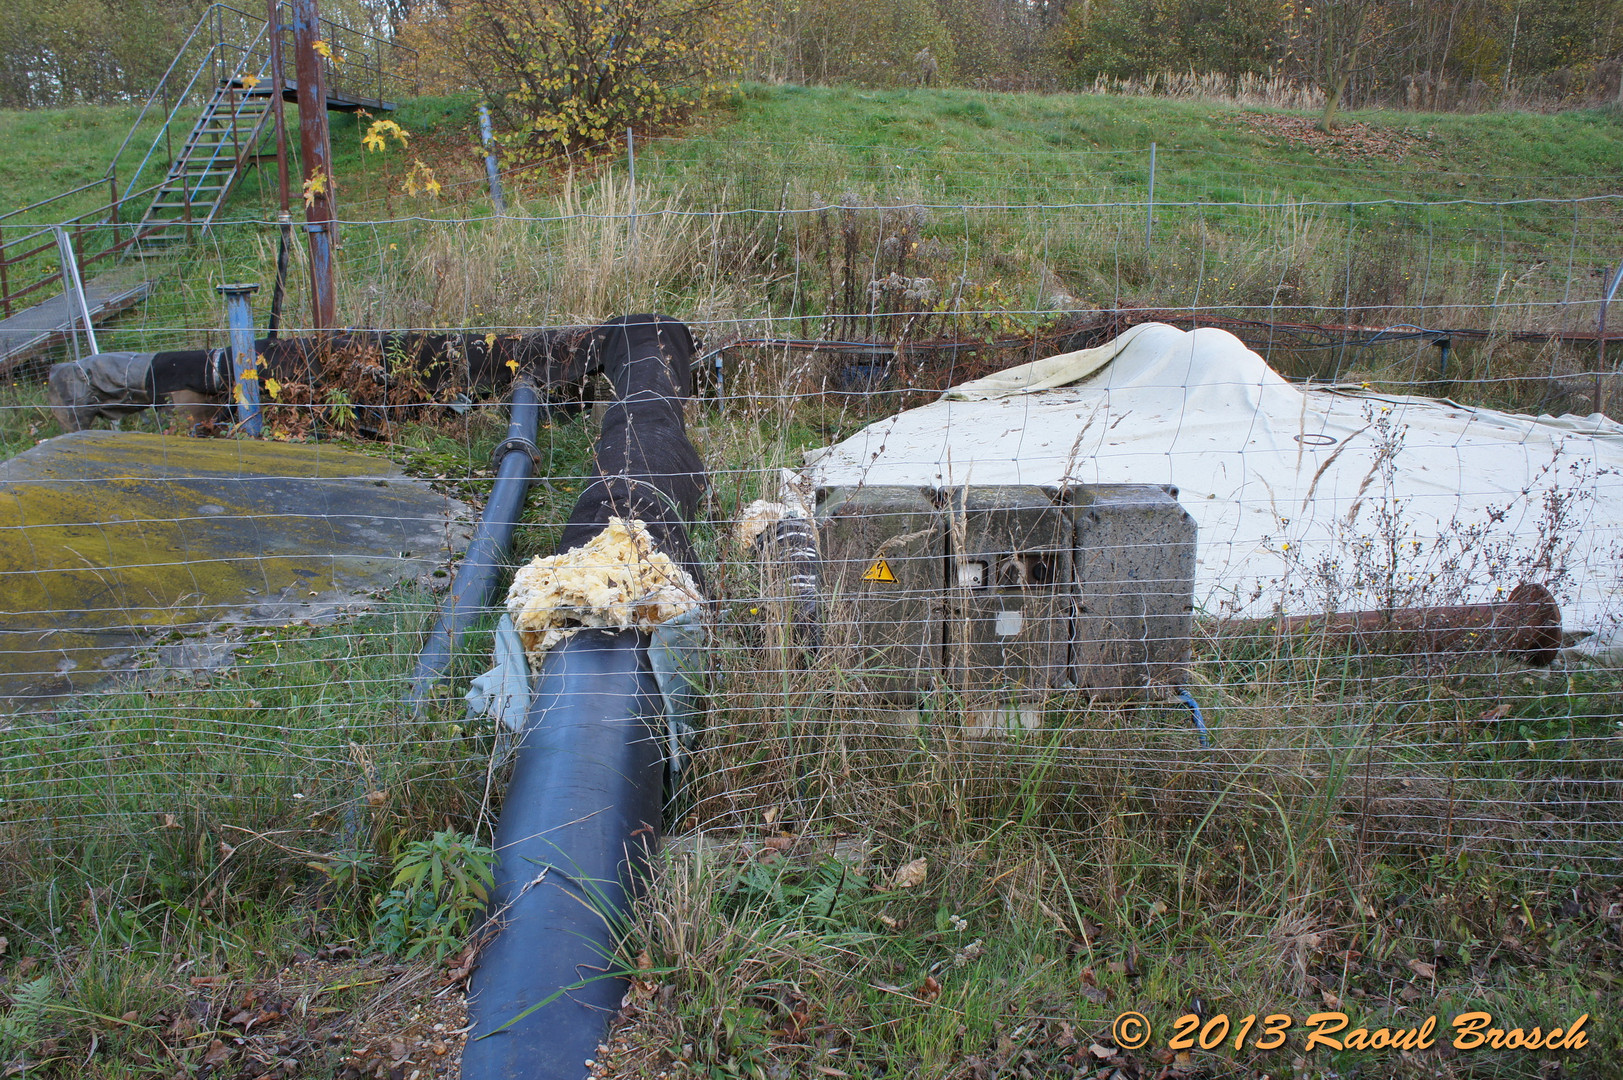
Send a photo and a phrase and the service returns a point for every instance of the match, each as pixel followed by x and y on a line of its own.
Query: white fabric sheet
pixel 1295 510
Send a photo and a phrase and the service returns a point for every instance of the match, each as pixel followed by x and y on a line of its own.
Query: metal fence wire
pixel 1155 598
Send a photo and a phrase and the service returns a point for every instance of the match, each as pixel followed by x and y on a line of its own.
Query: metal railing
pixel 29 262
pixel 228 43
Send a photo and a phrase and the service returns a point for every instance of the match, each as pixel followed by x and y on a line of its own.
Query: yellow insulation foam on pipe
pixel 619 580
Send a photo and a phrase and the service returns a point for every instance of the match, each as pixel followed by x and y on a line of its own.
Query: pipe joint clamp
pixel 516 442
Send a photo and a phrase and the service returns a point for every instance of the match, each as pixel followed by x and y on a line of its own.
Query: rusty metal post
pixel 315 151
pixel 236 135
pixel 279 84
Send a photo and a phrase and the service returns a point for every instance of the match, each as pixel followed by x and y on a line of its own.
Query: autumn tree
pixel 573 73
pixel 1133 38
pixel 1334 40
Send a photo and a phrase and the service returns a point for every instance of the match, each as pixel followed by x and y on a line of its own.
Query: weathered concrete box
pixel 1004 593
pixel 1135 580
pixel 883 557
pixel 1010 593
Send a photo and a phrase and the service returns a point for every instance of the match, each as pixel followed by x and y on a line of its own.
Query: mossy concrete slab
pixel 110 539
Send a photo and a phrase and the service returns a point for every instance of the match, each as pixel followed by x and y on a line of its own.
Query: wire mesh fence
pixel 1316 639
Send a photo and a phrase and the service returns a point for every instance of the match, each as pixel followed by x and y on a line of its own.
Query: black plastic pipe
pixel 480 574
pixel 581 817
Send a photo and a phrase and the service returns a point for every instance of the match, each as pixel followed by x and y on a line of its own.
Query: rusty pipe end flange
pixel 1532 619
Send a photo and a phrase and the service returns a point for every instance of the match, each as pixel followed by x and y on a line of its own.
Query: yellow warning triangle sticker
pixel 879 571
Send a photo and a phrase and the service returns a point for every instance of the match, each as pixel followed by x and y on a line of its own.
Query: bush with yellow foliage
pixel 571 74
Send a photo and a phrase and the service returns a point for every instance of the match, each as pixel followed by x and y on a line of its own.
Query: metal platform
pixel 36 330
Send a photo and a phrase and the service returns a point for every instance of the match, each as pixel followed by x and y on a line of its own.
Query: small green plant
pixel 340 409
pixel 346 869
pixel 439 885
pixel 19 1023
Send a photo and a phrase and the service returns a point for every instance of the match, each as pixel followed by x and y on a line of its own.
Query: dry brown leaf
pixel 1331 1001
pixel 1423 969
pixel 1498 712
pixel 912 875
pixel 929 989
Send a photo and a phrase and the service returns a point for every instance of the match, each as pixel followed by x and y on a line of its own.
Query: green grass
pixel 962 146
pixel 49 151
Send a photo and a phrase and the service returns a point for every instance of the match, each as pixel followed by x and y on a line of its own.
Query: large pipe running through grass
pixel 480 574
pixel 582 812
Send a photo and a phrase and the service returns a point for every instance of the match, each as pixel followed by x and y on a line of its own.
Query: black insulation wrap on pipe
pixel 480 573
pixel 580 819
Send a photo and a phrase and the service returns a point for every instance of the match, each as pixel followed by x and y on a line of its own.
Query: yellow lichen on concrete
pixel 107 536
pixel 617 580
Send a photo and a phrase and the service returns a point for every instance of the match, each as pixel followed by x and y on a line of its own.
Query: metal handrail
pixel 210 61
pixel 52 199
pixel 152 98
pixel 107 213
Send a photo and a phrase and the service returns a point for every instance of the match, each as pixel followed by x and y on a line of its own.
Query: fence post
pixel 5 278
pixel 631 166
pixel 489 139
pixel 239 317
pixel 73 288
pixel 1600 338
pixel 1149 202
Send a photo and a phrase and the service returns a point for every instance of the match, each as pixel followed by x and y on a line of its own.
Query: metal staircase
pixel 228 55
pixel 222 143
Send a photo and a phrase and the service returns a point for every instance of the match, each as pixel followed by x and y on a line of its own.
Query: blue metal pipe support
pixel 478 576
pixel 488 139
pixel 239 318
pixel 321 288
pixel 579 824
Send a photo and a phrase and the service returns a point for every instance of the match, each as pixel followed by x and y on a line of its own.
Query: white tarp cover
pixel 1307 499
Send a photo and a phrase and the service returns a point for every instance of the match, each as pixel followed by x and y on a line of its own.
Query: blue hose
pixel 1194 714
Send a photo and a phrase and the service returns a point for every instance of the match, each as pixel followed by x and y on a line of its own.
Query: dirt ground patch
pixel 1351 138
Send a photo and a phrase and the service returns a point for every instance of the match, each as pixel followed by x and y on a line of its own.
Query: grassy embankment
pixel 1361 836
